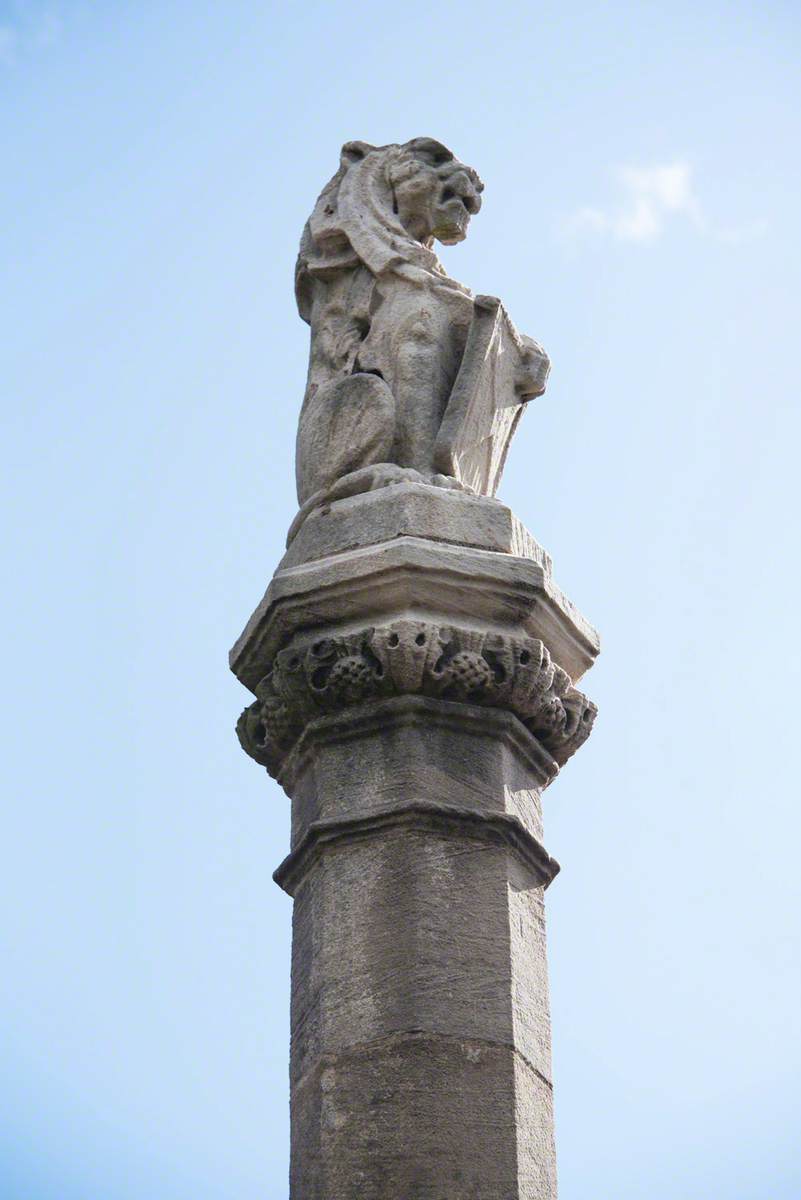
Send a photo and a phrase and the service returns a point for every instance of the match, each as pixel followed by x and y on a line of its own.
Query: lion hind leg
pixel 346 425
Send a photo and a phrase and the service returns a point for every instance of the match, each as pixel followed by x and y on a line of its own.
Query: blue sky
pixel 640 218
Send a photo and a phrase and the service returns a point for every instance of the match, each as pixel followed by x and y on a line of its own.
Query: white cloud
pixel 653 195
pixel 650 199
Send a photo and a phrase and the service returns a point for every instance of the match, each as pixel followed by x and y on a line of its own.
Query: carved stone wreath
pixel 414 658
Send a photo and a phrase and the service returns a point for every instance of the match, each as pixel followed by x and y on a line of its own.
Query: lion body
pixel 410 375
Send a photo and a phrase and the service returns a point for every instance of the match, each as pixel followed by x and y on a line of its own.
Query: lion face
pixel 434 194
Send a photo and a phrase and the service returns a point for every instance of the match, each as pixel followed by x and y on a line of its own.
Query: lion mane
pixel 356 220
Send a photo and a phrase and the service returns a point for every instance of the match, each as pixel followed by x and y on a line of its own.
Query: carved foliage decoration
pixel 415 658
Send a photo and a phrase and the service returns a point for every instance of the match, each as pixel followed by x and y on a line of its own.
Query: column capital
pixel 481 667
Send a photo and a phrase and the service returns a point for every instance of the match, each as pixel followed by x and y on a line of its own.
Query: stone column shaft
pixel 420 1060
pixel 409 702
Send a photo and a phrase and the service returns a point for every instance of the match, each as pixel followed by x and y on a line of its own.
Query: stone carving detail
pixel 410 375
pixel 415 657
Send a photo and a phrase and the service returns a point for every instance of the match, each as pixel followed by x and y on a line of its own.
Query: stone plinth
pixel 414 668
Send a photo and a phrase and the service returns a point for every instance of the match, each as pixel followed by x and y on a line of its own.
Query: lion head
pixel 433 194
pixel 385 206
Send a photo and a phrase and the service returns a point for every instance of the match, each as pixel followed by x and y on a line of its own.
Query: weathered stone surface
pixel 407 369
pixel 415 669
pixel 412 657
pixel 412 510
pixel 420 1117
pixel 411 753
pixel 420 1020
pixel 415 577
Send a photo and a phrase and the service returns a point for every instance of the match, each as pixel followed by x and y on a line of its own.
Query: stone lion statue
pixel 410 375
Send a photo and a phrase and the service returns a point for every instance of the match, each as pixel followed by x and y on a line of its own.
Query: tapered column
pixel 413 665
pixel 420 1029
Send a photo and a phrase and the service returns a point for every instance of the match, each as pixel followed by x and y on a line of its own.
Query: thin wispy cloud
pixel 649 200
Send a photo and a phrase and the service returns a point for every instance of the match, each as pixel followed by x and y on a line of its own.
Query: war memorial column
pixel 414 668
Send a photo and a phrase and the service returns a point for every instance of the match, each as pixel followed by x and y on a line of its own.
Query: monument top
pixel 411 377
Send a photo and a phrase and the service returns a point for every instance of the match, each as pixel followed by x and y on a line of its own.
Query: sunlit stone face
pixel 434 194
